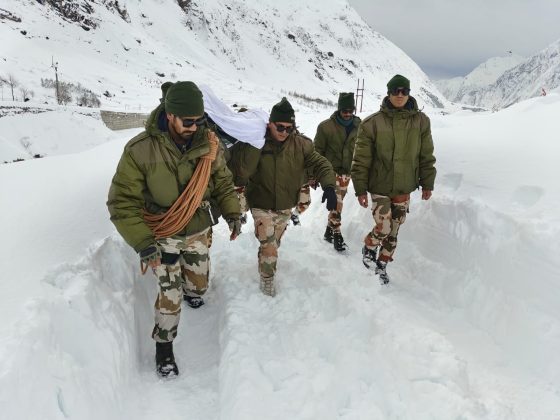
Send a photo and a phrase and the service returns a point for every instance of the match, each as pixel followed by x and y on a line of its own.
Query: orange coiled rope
pixel 181 212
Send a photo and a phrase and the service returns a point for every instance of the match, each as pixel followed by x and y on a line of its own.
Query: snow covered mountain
pixel 525 80
pixel 249 52
pixel 457 88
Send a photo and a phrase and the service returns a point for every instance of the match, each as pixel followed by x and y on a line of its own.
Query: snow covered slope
pixel 525 80
pixel 469 327
pixel 458 89
pixel 252 51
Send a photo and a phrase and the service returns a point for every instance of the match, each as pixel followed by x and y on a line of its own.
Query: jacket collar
pixel 410 108
pixel 355 120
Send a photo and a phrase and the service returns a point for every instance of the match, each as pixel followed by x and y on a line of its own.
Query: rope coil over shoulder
pixel 181 212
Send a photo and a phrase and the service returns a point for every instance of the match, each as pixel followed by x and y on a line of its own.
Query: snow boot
pixel 267 286
pixel 165 360
pixel 295 219
pixel 369 257
pixel 338 242
pixel 329 235
pixel 381 269
pixel 193 301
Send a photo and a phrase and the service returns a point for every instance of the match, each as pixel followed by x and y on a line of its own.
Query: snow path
pixel 332 344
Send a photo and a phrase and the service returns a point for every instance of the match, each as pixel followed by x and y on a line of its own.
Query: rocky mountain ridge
pixel 240 48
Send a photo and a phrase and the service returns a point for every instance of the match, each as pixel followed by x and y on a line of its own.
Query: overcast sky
pixel 449 38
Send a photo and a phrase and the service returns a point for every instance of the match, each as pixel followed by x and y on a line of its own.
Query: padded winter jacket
pixel 243 161
pixel 394 152
pixel 331 142
pixel 281 171
pixel 151 175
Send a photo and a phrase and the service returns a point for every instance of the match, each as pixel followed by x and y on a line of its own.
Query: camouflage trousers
pixel 335 216
pixel 388 215
pixel 304 199
pixel 183 270
pixel 270 225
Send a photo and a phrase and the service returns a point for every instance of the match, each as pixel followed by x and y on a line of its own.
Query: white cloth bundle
pixel 248 127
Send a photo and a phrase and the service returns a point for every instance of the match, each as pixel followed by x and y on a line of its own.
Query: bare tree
pixel 25 93
pixel 12 82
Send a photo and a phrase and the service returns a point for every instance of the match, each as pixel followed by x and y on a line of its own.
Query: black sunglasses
pixel 396 91
pixel 188 122
pixel 282 128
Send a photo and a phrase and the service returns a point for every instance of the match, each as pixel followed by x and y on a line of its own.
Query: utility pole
pixel 360 94
pixel 55 67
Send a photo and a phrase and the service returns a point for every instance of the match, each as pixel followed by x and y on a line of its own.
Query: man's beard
pixel 187 136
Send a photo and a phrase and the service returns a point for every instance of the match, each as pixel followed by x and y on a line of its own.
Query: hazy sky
pixel 451 37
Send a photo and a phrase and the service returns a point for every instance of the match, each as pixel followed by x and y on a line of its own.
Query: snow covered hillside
pixel 469 327
pixel 525 80
pixel 459 89
pixel 251 51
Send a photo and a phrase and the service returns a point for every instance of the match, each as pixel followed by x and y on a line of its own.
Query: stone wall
pixel 123 120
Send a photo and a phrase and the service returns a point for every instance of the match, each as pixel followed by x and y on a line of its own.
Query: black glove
pixel 234 224
pixel 330 196
pixel 150 253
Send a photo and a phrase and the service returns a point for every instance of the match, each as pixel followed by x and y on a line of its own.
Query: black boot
pixel 328 235
pixel 193 301
pixel 295 219
pixel 338 242
pixel 165 360
pixel 369 257
pixel 381 269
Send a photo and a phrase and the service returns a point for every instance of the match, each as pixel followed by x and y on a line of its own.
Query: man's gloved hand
pixel 362 199
pixel 151 256
pixel 234 224
pixel 330 196
pixel 242 199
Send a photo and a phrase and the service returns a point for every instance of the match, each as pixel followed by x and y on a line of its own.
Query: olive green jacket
pixel 332 142
pixel 394 152
pixel 151 175
pixel 281 171
pixel 243 161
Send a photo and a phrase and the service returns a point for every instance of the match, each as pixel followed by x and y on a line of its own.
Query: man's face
pixel 185 127
pixel 280 130
pixel 346 114
pixel 399 97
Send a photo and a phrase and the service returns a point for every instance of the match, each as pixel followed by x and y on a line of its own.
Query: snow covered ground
pixel 469 327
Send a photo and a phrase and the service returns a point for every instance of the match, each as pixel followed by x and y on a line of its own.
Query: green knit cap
pixel 283 112
pixel 346 100
pixel 184 99
pixel 164 87
pixel 398 81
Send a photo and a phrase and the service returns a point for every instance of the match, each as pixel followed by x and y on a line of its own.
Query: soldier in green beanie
pixel 273 187
pixel 394 156
pixel 155 168
pixel 335 140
